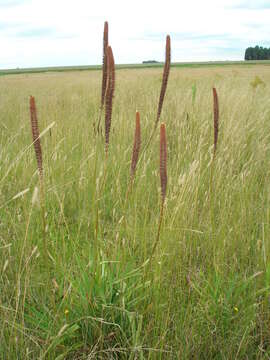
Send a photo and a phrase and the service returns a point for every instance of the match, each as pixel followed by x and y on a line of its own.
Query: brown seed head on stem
pixel 104 63
pixel 166 71
pixel 109 96
pixel 163 162
pixel 136 146
pixel 35 135
pixel 216 118
pixel 38 152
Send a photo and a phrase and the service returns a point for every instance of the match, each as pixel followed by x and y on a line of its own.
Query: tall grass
pixel 206 294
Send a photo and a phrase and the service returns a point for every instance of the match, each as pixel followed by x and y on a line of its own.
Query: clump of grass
pixel 104 71
pixel 216 119
pixel 103 305
pixel 166 71
pixel 163 180
pixel 109 97
pixel 257 81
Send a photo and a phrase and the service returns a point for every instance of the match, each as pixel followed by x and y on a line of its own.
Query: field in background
pixel 206 293
pixel 132 66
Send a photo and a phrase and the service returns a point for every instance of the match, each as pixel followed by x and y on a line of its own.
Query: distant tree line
pixel 150 62
pixel 257 53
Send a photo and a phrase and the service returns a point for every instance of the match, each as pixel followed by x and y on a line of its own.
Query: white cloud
pixel 68 32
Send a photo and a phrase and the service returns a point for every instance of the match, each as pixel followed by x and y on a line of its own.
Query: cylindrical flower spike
pixel 104 65
pixel 35 135
pixel 109 97
pixel 166 71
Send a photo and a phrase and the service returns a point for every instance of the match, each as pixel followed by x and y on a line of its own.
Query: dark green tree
pixel 257 53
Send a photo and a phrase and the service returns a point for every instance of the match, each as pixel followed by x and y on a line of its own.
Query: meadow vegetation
pixel 205 292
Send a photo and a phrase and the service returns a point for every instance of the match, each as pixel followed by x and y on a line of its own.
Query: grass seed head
pixel 166 71
pixel 35 135
pixel 104 63
pixel 109 96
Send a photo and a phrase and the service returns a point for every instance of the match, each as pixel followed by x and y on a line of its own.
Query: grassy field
pixel 132 66
pixel 205 294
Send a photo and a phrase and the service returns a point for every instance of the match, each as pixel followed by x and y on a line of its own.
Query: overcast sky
pixel 69 32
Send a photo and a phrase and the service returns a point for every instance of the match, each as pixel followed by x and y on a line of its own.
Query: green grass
pixel 205 295
pixel 39 70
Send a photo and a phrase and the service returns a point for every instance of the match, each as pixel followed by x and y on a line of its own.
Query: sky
pixel 36 33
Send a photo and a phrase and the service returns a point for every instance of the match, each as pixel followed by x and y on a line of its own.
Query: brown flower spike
pixel 104 64
pixel 216 118
pixel 166 71
pixel 38 152
pixel 104 74
pixel 136 146
pixel 35 135
pixel 109 97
